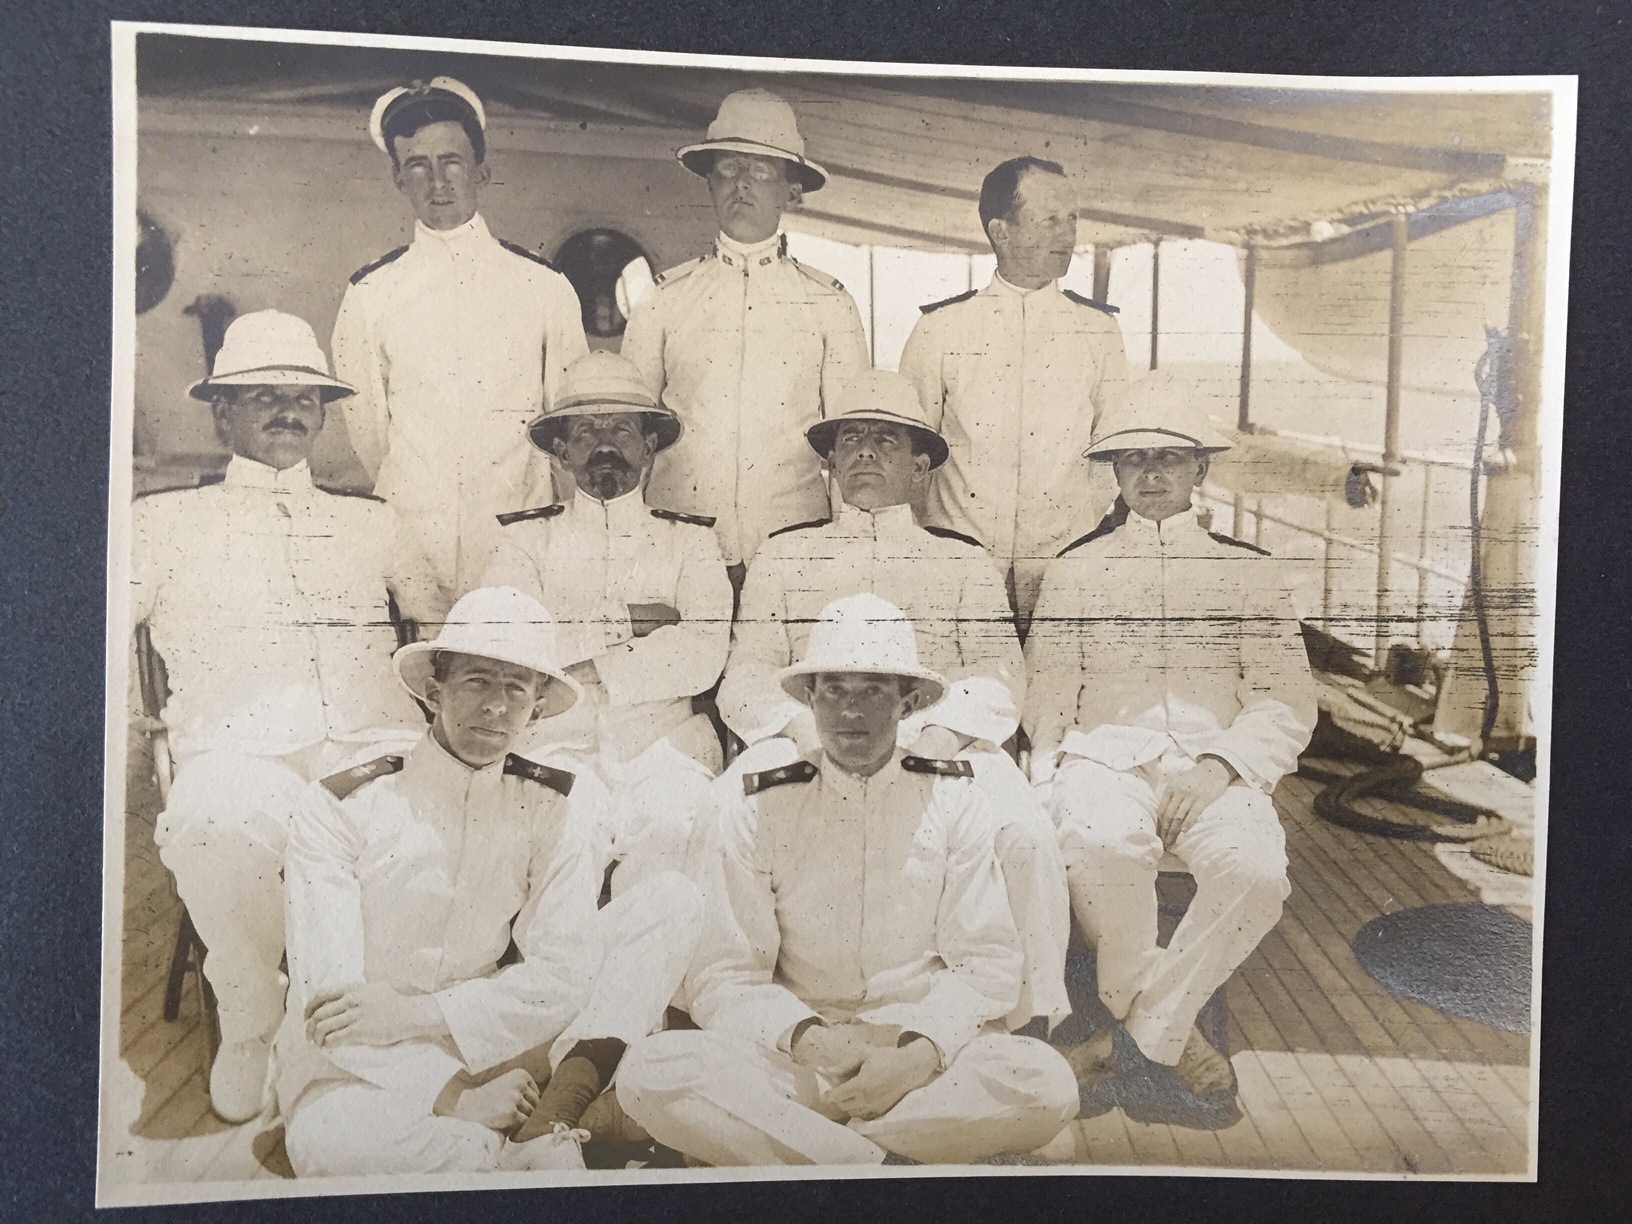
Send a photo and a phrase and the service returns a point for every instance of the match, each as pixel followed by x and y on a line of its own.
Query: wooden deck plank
pixel 1420 1150
pixel 1314 1118
pixel 1153 1143
pixel 1261 1098
pixel 1368 1134
pixel 1499 1133
pixel 1438 1118
pixel 1103 1140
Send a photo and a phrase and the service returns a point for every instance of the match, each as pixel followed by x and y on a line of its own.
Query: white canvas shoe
pixel 562 1149
pixel 238 1079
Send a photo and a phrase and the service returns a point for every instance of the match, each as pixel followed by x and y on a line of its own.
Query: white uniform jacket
pixel 419 877
pixel 948 587
pixel 750 348
pixel 454 343
pixel 874 898
pixel 267 599
pixel 1156 634
pixel 587 562
pixel 1015 380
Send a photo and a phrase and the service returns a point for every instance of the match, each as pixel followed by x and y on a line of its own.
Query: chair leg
pixel 180 960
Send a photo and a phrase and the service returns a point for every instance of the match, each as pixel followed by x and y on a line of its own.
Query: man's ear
pixel 544 696
pixel 796 193
pixel 1203 462
pixel 558 447
pixel 912 701
pixel 433 695
pixel 482 176
pixel 920 468
pixel 997 232
pixel 220 413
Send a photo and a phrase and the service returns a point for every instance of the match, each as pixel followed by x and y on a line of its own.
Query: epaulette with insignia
pixel 951 301
pixel 367 269
pixel 798 527
pixel 1088 301
pixel 820 277
pixel 680 271
pixel 930 765
pixel 521 516
pixel 1115 518
pixel 334 492
pixel 1235 543
pixel 674 516
pixel 946 533
pixel 558 780
pixel 515 248
pixel 799 771
pixel 342 784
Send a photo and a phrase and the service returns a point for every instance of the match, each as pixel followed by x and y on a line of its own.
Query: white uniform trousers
pixel 1235 850
pixel 222 836
pixel 642 809
pixel 1027 850
pixel 728 1101
pixel 352 1128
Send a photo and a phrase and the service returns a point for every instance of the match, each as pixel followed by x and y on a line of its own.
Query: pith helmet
pixel 495 623
pixel 861 633
pixel 270 348
pixel 597 383
pixel 757 122
pixel 879 395
pixel 1161 411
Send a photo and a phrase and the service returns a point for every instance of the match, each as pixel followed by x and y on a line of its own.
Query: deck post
pixel 1326 568
pixel 1249 280
pixel 1155 296
pixel 1422 551
pixel 1102 272
pixel 1400 225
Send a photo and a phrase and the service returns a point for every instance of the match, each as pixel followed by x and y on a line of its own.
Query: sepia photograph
pixel 683 618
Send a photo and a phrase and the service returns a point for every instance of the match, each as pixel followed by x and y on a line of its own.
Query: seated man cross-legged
pixel 406 1048
pixel 1168 693
pixel 860 953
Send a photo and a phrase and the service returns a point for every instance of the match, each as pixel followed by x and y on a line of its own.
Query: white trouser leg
pixel 1237 852
pixel 1001 1094
pixel 648 937
pixel 1107 829
pixel 727 1101
pixel 222 835
pixel 1034 873
pixel 356 1129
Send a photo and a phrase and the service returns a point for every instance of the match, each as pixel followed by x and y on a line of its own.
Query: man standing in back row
pixel 747 346
pixel 453 342
pixel 1015 375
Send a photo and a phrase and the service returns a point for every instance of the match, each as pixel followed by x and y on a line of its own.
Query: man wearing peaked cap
pixel 453 342
pixel 881 453
pixel 407 1048
pixel 1015 375
pixel 1169 693
pixel 267 600
pixel 859 953
pixel 643 605
pixel 745 344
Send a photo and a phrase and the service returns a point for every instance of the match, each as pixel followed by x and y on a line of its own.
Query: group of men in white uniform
pixel 497 928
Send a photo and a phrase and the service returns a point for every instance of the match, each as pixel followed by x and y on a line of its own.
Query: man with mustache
pixel 1015 375
pixel 267 600
pixel 748 347
pixel 1169 692
pixel 454 342
pixel 643 606
pixel 882 453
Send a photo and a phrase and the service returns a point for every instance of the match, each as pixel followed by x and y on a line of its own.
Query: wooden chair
pixel 188 954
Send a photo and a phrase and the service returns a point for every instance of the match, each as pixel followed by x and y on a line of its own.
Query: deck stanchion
pixel 1400 225
pixel 1422 553
pixel 1155 296
pixel 1249 280
pixel 1102 272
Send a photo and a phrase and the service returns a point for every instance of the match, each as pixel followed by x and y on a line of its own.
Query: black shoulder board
pixel 674 516
pixel 517 249
pixel 946 533
pixel 960 297
pixel 333 492
pixel 1088 301
pixel 558 780
pixel 1231 540
pixel 521 516
pixel 341 785
pixel 799 527
pixel 928 765
pixel 799 771
pixel 1117 515
pixel 357 276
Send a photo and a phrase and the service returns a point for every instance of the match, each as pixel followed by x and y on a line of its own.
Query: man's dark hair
pixel 410 116
pixel 998 191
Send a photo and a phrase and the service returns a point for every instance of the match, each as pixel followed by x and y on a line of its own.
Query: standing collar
pixel 436 765
pixel 1175 526
pixel 734 254
pixel 1003 287
pixel 472 230
pixel 248 474
pixel 886 521
pixel 625 510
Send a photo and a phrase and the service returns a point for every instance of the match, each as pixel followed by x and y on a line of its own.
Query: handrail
pixel 1421 458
